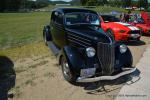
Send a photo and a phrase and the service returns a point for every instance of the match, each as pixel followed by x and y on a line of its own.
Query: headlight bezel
pixel 90 52
pixel 123 48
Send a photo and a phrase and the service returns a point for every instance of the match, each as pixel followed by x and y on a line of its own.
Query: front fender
pixel 123 60
pixel 74 59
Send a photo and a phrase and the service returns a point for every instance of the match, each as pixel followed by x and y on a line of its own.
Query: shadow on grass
pixel 98 88
pixel 7 77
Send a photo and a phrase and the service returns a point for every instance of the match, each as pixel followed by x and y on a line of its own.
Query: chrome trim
pixel 106 56
pixel 78 40
pixel 125 72
pixel 78 37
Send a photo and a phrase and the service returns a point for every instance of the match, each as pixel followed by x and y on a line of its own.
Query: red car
pixel 120 31
pixel 145 29
pixel 143 25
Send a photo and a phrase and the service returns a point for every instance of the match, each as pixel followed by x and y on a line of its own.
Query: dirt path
pixel 40 78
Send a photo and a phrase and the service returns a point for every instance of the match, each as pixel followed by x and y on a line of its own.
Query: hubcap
pixel 45 38
pixel 66 69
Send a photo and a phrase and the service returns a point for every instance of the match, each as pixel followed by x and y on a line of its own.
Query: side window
pixel 57 17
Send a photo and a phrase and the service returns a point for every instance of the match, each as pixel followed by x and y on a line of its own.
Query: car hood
pixel 121 25
pixel 91 33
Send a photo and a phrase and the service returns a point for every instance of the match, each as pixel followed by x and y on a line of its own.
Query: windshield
pixel 110 18
pixel 81 18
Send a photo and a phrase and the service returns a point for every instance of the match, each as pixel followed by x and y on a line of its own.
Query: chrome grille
pixel 106 56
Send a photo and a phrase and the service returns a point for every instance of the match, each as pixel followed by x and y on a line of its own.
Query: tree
pixel 126 3
pixel 102 2
pixel 118 3
pixel 83 2
pixel 92 3
pixel 42 3
pixel 114 2
pixel 12 5
pixel 143 3
pixel 2 5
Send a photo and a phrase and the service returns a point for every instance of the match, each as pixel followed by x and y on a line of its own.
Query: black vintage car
pixel 85 52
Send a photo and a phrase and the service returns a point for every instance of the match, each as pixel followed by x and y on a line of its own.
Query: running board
pixel 53 48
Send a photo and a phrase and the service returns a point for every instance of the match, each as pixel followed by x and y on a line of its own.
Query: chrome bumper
pixel 125 72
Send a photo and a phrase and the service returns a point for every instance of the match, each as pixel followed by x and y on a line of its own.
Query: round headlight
pixel 90 52
pixel 123 48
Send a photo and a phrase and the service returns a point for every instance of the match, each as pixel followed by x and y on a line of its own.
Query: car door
pixel 58 29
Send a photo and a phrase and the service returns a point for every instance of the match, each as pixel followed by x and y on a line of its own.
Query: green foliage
pixel 91 3
pixel 84 2
pixel 11 5
pixel 126 3
pixel 15 5
pixel 41 3
pixel 143 3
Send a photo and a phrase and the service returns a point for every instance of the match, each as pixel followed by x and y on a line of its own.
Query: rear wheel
pixel 46 35
pixel 67 73
pixel 45 40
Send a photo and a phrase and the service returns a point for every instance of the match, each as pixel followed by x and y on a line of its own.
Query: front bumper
pixel 134 37
pixel 124 72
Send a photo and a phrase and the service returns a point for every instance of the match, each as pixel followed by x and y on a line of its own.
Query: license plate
pixel 87 72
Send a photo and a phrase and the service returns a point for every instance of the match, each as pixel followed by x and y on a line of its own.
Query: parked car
pixel 140 23
pixel 121 31
pixel 85 52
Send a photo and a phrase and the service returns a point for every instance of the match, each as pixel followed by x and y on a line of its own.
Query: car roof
pixel 69 10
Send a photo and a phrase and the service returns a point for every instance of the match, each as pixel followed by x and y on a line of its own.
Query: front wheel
pixel 67 73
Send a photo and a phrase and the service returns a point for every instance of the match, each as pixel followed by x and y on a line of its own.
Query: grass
pixel 21 28
pixel 26 51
